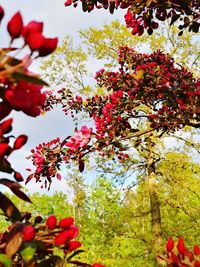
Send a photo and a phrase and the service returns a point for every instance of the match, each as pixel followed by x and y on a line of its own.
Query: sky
pixel 58 21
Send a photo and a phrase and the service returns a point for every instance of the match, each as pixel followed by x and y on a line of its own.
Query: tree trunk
pixel 154 205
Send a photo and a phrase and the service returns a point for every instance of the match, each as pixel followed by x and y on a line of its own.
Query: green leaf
pixel 28 251
pixel 5 260
pixel 28 78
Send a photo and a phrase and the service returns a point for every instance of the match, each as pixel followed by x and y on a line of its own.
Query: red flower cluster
pixel 183 256
pixel 145 14
pixel 26 97
pixel 68 231
pixel 32 34
pixel 80 139
pixel 6 149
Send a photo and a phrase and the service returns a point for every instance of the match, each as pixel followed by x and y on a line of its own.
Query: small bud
pixel 28 233
pixel 51 222
pixel 66 222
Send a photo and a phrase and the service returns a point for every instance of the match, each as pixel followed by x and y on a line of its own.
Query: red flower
pixel 1 13
pixel 15 26
pixel 20 141
pixel 32 27
pixel 49 45
pixel 73 245
pixel 4 149
pixel 170 245
pixel 27 97
pixel 51 222
pixel 197 263
pixel 66 222
pixel 28 233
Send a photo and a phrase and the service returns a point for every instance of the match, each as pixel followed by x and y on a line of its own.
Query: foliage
pixel 27 243
pixel 145 15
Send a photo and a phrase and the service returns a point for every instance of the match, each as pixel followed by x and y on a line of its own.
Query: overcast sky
pixel 58 21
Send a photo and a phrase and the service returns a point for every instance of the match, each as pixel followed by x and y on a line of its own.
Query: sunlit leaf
pixel 5 260
pixel 13 245
pixel 28 251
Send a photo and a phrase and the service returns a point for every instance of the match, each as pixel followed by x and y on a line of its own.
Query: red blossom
pixel 35 41
pixel 27 97
pixel 15 26
pixel 61 238
pixel 32 27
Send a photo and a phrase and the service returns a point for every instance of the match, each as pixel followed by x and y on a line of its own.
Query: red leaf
pixel 15 188
pixel 18 177
pixel 9 208
pixel 81 165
